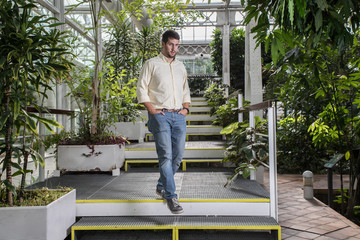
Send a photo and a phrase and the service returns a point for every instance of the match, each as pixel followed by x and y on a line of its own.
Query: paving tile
pixel 295 238
pixel 325 238
pixel 289 231
pixel 349 231
pixel 338 224
pixel 318 230
pixel 301 226
pixel 328 227
pixel 310 219
pixel 307 235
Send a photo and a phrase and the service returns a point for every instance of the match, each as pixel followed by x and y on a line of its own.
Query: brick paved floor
pixel 310 219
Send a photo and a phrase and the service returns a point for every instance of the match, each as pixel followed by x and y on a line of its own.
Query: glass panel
pixel 187 34
pixel 83 49
pixel 197 66
pixel 75 2
pixel 200 33
pixel 82 20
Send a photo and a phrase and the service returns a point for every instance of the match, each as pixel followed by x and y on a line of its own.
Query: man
pixel 164 91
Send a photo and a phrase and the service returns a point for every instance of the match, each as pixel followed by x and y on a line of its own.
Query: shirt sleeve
pixel 186 91
pixel 143 84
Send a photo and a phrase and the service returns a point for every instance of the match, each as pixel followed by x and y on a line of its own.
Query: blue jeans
pixel 169 131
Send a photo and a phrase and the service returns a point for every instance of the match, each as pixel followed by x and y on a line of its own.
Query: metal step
pixel 198 129
pixel 193 150
pixel 197 99
pixel 179 224
pixel 198 103
pixel 200 194
pixel 199 109
pixel 199 117
pixel 192 130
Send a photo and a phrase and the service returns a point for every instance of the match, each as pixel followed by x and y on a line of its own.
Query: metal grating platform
pixel 179 224
pixel 141 186
pixel 133 194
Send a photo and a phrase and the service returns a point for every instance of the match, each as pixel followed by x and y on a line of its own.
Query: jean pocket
pixel 156 123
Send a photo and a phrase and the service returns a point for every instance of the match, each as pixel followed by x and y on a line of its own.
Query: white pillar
pixel 226 54
pixel 253 74
pixel 61 91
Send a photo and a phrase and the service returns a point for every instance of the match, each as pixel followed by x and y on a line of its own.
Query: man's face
pixel 170 48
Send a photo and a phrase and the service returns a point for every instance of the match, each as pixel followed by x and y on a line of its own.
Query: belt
pixel 170 110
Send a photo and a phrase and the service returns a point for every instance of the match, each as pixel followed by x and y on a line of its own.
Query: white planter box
pixel 51 222
pixel 129 130
pixel 105 157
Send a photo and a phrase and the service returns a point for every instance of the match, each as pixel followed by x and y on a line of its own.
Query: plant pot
pixel 129 130
pixel 39 222
pixel 80 157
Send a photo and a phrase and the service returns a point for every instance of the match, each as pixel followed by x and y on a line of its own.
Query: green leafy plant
pixel 237 57
pixel 198 85
pixel 37 197
pixel 215 96
pixel 119 97
pixel 322 38
pixel 32 54
pixel 120 48
pixel 225 114
pixel 342 198
pixel 247 147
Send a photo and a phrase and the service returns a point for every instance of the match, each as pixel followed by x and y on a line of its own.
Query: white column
pixel 226 54
pixel 253 74
pixel 61 91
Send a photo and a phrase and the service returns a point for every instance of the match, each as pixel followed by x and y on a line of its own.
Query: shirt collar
pixel 162 56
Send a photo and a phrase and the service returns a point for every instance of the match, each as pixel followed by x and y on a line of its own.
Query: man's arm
pixel 183 111
pixel 150 108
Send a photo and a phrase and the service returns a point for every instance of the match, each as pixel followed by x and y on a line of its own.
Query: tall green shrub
pixel 32 54
pixel 320 38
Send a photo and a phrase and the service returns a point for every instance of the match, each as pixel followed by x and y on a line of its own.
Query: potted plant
pixel 32 54
pixel 121 109
pixel 44 214
pixel 82 150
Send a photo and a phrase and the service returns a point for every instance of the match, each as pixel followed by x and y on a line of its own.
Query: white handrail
pixel 272 152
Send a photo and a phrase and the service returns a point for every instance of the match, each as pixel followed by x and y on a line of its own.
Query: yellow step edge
pixel 252 200
pixel 120 227
pixel 117 227
pixel 119 201
pixel 175 229
pixel 252 227
pixel 202 160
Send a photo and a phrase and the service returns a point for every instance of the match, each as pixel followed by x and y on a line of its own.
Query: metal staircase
pixel 126 206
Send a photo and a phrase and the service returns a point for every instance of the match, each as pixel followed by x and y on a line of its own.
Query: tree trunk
pixel 95 6
pixel 8 146
pixel 23 177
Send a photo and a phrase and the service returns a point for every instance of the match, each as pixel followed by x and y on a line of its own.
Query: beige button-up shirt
pixel 163 84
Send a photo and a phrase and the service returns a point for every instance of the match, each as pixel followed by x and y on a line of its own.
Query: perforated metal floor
pixel 180 221
pixel 221 224
pixel 141 185
pixel 166 235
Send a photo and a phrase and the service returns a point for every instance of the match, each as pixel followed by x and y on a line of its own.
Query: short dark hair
pixel 170 34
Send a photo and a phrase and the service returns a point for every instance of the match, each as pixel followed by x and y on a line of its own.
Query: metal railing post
pixel 272 163
pixel 240 105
